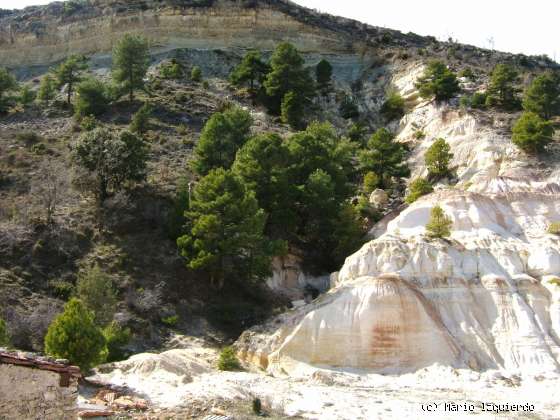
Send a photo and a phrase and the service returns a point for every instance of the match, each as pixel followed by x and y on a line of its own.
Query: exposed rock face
pixel 47 35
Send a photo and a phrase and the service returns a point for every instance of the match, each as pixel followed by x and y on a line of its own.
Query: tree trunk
pixel 69 93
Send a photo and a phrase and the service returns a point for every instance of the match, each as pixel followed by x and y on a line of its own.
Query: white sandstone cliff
pixel 488 298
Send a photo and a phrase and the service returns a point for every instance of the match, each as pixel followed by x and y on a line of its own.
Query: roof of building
pixel 39 362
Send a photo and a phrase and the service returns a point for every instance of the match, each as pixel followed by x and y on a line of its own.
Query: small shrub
pixel 228 360
pixel 28 137
pixel 394 106
pixel 73 335
pixel 554 228
pixel 140 120
pixel 39 149
pixel 478 100
pixel 4 336
pixel 257 406
pixel 205 85
pixel 371 182
pixel 348 108
pixel 196 74
pixel 95 289
pixel 61 289
pixel 93 98
pixel 116 338
pixel 26 96
pixel 439 225
pixel 172 70
pixel 555 281
pixel 467 73
pixel 418 188
pixel 88 123
pixel 171 321
pixel 367 210
pixel 419 135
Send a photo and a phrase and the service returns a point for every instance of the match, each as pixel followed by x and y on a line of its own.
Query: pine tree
pixel 262 164
pixel 502 89
pixel 394 107
pixel 531 133
pixel 418 188
pixel 292 110
pixel 543 96
pixel 438 82
pixel 437 157
pixel 251 69
pixel 439 225
pixel 73 335
pixel 287 74
pixel 131 59
pixel 226 239
pixel 323 75
pixel 222 136
pixel 70 73
pixel 385 157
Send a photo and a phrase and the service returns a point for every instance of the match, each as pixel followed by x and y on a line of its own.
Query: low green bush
pixel 228 360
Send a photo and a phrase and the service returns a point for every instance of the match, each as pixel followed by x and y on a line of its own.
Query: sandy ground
pixel 435 392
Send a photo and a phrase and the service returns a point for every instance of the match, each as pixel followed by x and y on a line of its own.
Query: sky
pixel 518 26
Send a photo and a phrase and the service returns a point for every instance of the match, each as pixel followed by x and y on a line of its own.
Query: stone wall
pixel 30 393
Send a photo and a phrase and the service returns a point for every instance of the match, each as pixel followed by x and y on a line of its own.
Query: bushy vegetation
pixel 47 89
pixel 196 74
pixel 116 338
pixel 438 82
pixel 348 108
pixel 73 335
pixel 4 336
pixel 95 289
pixel 439 225
pixel 8 84
pixel 418 188
pixel 437 157
pixel 141 119
pixel 554 228
pixel 93 98
pixel 172 70
pixel 394 106
pixel 228 360
pixel 112 158
pixel 531 133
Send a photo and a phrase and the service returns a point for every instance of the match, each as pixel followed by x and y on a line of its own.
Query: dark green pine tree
pixel 70 73
pixel 226 239
pixel 131 59
pixel 384 157
pixel 543 96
